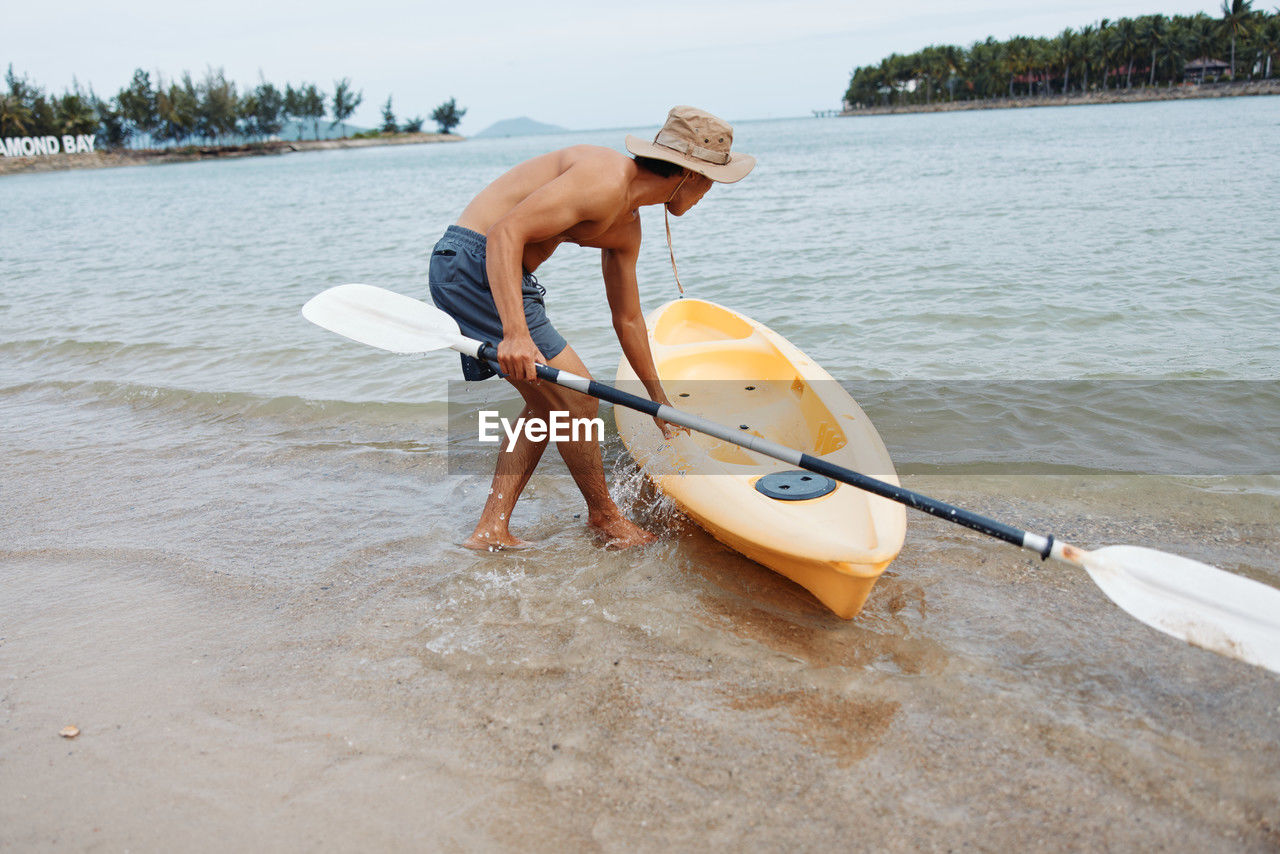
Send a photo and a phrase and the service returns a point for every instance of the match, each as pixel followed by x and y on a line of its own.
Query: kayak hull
pixel 730 369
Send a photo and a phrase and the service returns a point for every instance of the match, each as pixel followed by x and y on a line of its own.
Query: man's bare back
pixel 607 171
pixel 587 195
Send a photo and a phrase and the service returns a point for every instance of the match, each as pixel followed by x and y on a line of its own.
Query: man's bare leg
pixel 584 462
pixel 512 473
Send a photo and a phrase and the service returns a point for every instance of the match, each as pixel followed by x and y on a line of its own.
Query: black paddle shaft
pixel 1041 545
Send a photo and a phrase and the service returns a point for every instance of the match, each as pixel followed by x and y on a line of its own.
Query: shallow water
pixel 230 550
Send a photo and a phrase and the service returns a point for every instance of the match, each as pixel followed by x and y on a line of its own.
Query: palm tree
pixel 1179 47
pixel 984 68
pixel 16 106
pixel 74 113
pixel 1268 36
pixel 1153 31
pixel 1067 46
pixel 1087 42
pixel 884 74
pixel 1014 59
pixel 918 65
pixel 1103 51
pixel 1236 18
pixel 952 60
pixel 1204 35
pixel 1042 55
pixel 936 67
pixel 15 118
pixel 1124 43
pixel 899 72
pixel 864 86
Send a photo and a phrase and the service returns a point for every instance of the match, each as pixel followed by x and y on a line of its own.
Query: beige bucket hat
pixel 699 141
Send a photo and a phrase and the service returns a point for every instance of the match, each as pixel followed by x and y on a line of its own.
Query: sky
pixel 580 64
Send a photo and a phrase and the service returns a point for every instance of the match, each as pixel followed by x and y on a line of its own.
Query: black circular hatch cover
pixel 794 485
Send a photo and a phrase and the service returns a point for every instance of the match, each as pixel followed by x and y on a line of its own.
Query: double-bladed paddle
pixel 1200 604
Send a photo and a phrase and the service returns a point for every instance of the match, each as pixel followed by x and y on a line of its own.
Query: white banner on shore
pixel 37 146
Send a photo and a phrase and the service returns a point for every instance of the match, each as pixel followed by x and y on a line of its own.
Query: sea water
pixel 1062 317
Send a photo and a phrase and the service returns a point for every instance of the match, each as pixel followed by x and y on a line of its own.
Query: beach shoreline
pixel 355 700
pixel 189 153
pixel 1109 96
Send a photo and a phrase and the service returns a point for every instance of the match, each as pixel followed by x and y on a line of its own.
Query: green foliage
pixel 293 106
pixel 15 106
pixel 1237 22
pixel 114 130
pixel 447 116
pixel 388 118
pixel 304 103
pixel 313 106
pixel 177 110
pixel 73 113
pixel 1267 38
pixel 263 114
pixel 218 106
pixel 152 110
pixel 183 111
pixel 1150 50
pixel 136 106
pixel 344 103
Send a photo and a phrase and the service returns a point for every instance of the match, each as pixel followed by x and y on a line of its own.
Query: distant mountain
pixel 523 126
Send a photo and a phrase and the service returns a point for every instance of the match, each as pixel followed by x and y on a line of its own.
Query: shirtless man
pixel 482 275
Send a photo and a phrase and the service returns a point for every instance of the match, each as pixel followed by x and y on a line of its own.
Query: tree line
pixel 1150 50
pixel 211 110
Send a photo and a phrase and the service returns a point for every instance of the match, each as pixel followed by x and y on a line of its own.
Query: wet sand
pixel 411 693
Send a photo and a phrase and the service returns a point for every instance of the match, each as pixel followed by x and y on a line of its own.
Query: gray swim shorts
pixel 460 286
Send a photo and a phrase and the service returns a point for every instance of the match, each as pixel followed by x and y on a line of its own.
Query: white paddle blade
pixel 382 318
pixel 1200 604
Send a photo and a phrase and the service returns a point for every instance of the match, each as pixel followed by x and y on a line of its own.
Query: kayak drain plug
pixel 794 485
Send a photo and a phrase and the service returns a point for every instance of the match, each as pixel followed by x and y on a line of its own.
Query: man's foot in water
pixel 619 532
pixel 495 541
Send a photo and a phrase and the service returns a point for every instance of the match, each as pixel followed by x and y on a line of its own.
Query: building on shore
pixel 1197 70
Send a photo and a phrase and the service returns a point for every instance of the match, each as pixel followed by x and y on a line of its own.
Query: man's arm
pixel 551 210
pixel 623 293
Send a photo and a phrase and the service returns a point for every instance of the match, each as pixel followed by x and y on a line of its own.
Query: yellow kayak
pixel 830 538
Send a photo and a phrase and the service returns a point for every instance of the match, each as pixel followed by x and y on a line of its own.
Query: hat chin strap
pixel 666 214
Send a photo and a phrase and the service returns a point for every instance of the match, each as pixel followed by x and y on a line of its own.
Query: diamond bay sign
pixel 36 146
